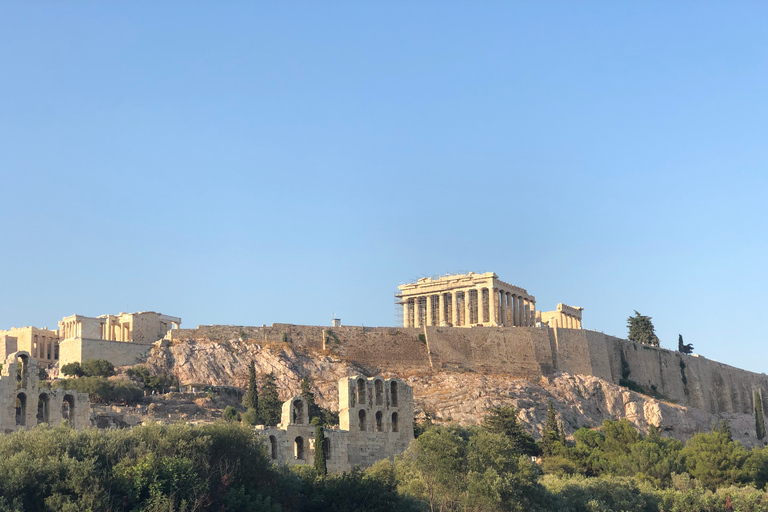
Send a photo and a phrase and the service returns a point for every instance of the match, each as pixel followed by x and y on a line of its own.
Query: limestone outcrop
pixel 448 394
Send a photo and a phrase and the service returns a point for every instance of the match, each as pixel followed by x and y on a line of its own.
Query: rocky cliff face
pixel 461 396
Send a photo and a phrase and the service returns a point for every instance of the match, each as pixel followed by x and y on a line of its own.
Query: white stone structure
pixel 23 404
pixel 466 300
pixel 568 317
pixel 120 339
pixel 375 422
pixel 42 344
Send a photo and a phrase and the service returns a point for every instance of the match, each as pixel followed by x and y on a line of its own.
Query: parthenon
pixel 465 300
pixel 468 300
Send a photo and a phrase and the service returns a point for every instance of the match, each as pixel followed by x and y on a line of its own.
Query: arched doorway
pixel 43 409
pixel 21 409
pixel 68 410
pixel 361 420
pixel 395 426
pixel 22 371
pixel 393 393
pixel 378 421
pixel 273 447
pixel 298 448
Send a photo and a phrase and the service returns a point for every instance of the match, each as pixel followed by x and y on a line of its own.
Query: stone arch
pixel 361 420
pixel 21 409
pixel 298 448
pixel 273 447
pixel 43 408
pixel 393 393
pixel 378 385
pixel 361 391
pixel 297 412
pixel 379 421
pixel 68 410
pixel 395 426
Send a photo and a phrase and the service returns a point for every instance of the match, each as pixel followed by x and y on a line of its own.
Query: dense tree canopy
pixel 641 330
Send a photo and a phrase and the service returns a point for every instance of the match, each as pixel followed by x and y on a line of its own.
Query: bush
pixel 100 389
pixel 97 368
pixel 72 370
pixel 149 380
pixel 251 417
pixel 231 414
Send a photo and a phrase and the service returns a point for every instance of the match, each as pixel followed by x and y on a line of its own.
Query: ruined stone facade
pixel 469 300
pixel 23 404
pixel 42 344
pixel 375 422
pixel 120 339
pixel 565 316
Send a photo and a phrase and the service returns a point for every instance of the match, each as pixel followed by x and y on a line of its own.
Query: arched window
pixel 273 447
pixel 361 391
pixel 22 371
pixel 395 426
pixel 378 421
pixel 327 448
pixel 43 409
pixel 379 385
pixel 361 418
pixel 298 448
pixel 393 393
pixel 298 412
pixel 352 396
pixel 21 409
pixel 68 410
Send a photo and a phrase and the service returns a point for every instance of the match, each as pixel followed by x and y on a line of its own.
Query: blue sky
pixel 243 163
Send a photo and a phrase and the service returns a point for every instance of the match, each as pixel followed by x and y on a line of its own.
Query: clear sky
pixel 248 163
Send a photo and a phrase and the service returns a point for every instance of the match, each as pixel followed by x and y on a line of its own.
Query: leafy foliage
pixel 148 379
pixel 641 330
pixel 98 368
pixel 102 390
pixel 503 420
pixel 320 462
pixel 72 370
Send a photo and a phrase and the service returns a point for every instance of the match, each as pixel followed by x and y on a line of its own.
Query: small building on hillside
pixel 375 422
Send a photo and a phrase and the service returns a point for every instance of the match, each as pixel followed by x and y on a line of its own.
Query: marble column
pixel 533 313
pixel 454 309
pixel 441 306
pixel 467 308
pixel 503 308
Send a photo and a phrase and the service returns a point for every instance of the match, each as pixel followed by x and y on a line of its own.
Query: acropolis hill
pixel 468 342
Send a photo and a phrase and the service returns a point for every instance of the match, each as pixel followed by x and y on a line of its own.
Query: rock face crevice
pixel 464 384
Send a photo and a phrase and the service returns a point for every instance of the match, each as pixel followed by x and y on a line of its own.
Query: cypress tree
pixel 313 410
pixel 251 397
pixel 759 421
pixel 270 407
pixel 320 462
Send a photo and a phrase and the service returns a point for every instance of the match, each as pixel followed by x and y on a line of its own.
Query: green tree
pixel 72 370
pixel 320 462
pixel 682 347
pixel 503 420
pixel 552 440
pixel 270 406
pixel 251 397
pixel 231 414
pixel 715 460
pixel 313 410
pixel 98 368
pixel 641 330
pixel 759 420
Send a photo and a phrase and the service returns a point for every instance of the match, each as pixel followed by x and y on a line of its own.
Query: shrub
pixel 231 414
pixel 97 368
pixel 72 370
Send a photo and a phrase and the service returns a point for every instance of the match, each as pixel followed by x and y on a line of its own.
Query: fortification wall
pixel 518 352
pixel 119 353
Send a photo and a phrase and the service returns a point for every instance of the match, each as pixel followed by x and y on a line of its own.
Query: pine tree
pixel 313 410
pixel 641 330
pixel 251 397
pixel 320 462
pixel 503 420
pixel 552 438
pixel 270 407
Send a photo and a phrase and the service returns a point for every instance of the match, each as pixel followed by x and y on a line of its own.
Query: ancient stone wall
pixel 518 352
pixel 119 353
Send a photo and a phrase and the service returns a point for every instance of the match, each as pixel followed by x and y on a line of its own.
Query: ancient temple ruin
pixel 468 300
pixel 375 422
pixel 23 404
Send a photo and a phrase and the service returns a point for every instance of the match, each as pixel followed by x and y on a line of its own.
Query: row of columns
pixel 567 321
pixel 71 329
pixel 471 306
pixel 514 310
pixel 45 348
